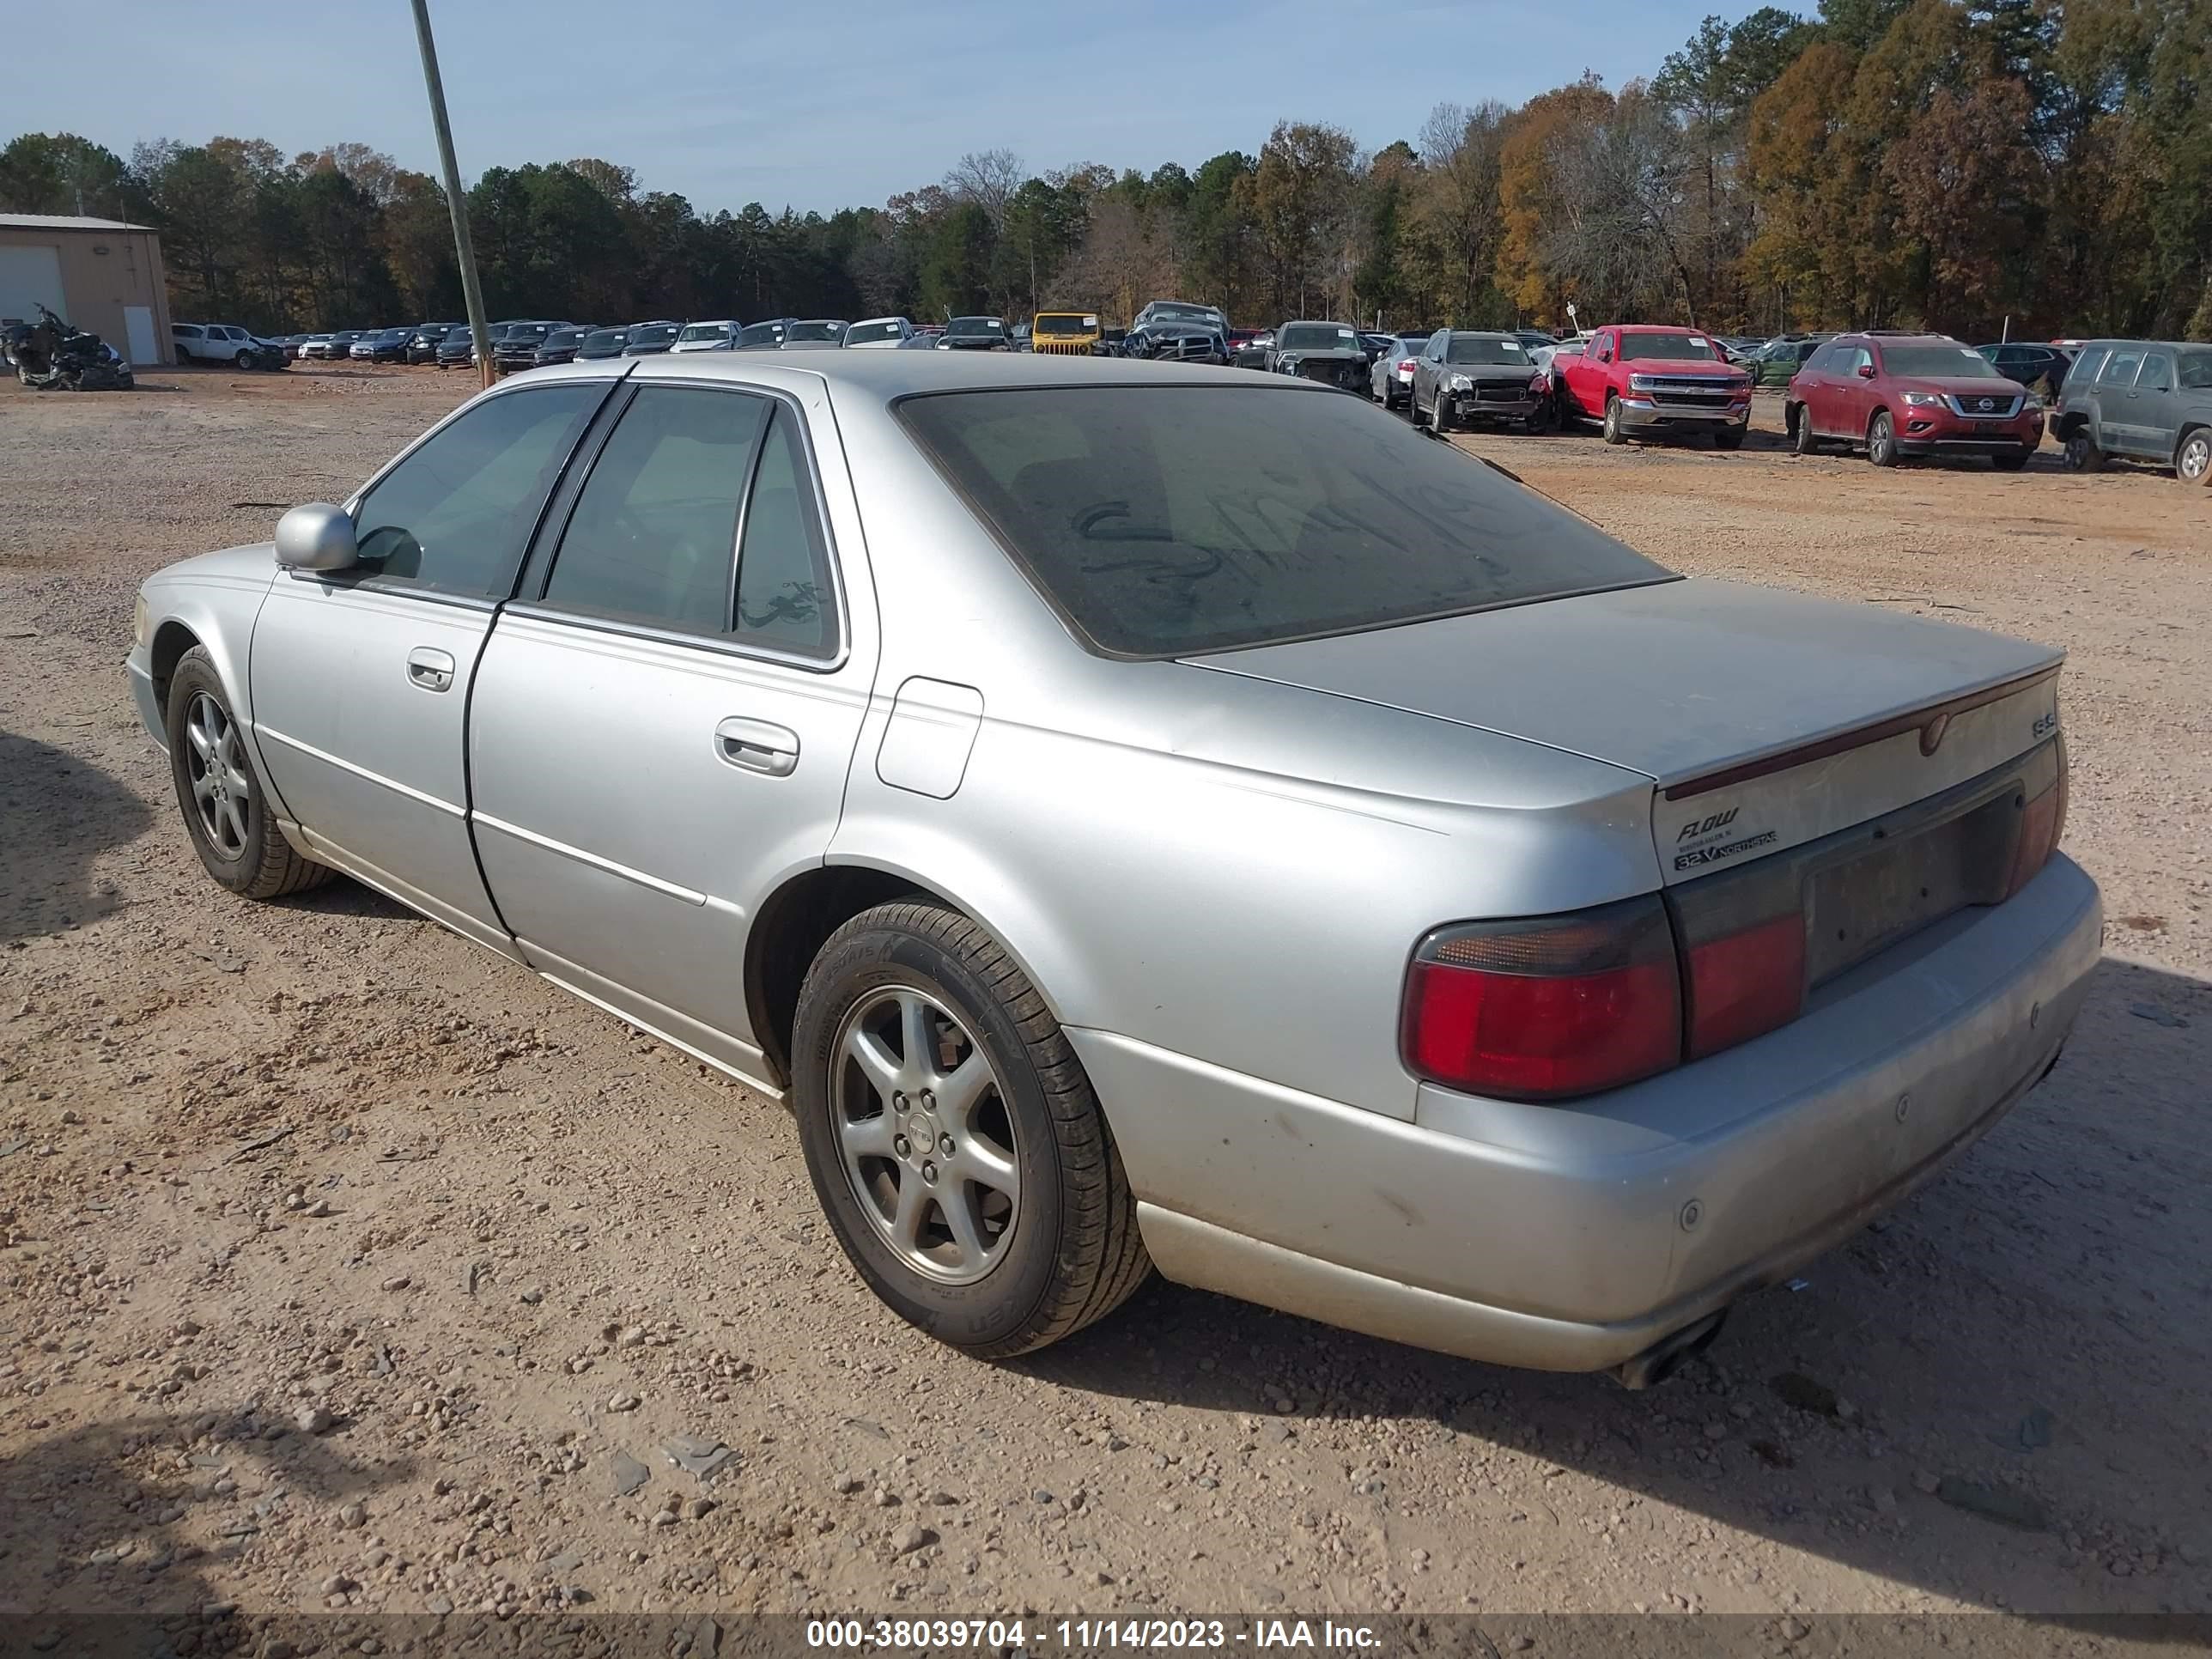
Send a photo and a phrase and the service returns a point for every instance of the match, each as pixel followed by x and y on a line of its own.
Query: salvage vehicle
pixel 1065 333
pixel 1297 857
pixel 651 339
pixel 51 353
pixel 973 334
pixel 459 348
pixel 880 333
pixel 1176 330
pixel 1390 380
pixel 213 343
pixel 515 347
pixel 423 348
pixel 1649 381
pixel 1904 395
pixel 1328 352
pixel 602 342
pixel 1464 375
pixel 768 336
pixel 2149 400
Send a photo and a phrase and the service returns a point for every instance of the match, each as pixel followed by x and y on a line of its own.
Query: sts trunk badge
pixel 1932 735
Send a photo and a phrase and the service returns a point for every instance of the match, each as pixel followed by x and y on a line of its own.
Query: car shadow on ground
pixel 1930 1407
pixel 58 814
pixel 114 1532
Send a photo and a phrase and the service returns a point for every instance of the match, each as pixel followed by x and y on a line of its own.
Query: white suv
pixel 211 342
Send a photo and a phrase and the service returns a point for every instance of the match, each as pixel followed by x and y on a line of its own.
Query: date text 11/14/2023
pixel 1006 1636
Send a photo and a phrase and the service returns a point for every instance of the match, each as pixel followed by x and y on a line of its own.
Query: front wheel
pixel 244 360
pixel 2082 454
pixel 1612 430
pixel 2193 462
pixel 1882 440
pixel 226 810
pixel 953 1139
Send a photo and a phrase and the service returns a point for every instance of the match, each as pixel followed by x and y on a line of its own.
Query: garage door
pixel 30 277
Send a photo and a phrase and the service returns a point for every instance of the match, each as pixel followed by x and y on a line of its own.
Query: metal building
pixel 100 274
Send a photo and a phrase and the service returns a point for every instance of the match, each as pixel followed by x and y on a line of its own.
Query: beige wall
pixel 103 271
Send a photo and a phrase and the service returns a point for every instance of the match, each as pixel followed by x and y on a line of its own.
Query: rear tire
pixel 2082 454
pixel 1065 1250
pixel 226 810
pixel 1882 440
pixel 2192 461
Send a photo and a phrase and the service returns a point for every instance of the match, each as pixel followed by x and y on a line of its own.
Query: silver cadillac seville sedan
pixel 1143 815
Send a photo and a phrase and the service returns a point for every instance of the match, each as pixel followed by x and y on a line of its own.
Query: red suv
pixel 1911 394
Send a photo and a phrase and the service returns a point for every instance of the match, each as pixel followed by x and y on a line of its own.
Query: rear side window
pixel 2196 370
pixel 2157 372
pixel 2120 368
pixel 1165 520
pixel 458 511
pixel 784 596
pixel 654 533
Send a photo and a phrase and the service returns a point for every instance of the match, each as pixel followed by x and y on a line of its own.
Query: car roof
pixel 884 376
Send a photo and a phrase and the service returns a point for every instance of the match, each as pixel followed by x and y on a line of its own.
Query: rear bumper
pixel 1573 1237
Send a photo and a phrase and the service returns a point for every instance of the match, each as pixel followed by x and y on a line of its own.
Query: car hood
pixel 254 565
pixel 1675 680
pixel 1689 367
pixel 1962 388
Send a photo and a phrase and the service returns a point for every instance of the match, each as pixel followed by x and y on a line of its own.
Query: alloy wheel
pixel 2193 463
pixel 926 1138
pixel 221 784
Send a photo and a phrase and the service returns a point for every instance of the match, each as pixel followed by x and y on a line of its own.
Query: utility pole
pixel 463 250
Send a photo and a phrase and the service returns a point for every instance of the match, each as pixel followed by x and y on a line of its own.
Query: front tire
pixel 225 808
pixel 244 360
pixel 2192 461
pixel 1882 440
pixel 1612 429
pixel 953 1139
pixel 2082 454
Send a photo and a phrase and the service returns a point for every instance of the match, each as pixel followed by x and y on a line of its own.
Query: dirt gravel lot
pixel 344 1266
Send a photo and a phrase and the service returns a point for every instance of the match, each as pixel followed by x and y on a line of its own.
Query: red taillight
pixel 1746 982
pixel 1406 365
pixel 1543 1009
pixel 2042 821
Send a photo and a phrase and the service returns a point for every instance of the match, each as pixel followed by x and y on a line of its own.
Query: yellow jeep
pixel 1071 333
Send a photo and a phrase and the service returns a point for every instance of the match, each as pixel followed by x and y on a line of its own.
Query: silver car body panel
pixel 1213 870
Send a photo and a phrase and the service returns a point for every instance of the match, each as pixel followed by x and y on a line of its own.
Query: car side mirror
pixel 317 537
pixel 1866 371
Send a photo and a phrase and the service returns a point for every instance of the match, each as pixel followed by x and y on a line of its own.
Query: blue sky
pixel 824 106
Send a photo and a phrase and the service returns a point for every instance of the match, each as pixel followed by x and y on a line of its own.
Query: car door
pixel 663 721
pixel 2153 410
pixel 1428 368
pixel 1586 374
pixel 2116 383
pixel 1851 392
pixel 360 676
pixel 1810 386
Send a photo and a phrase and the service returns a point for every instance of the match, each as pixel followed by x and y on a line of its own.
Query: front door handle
pixel 431 670
pixel 757 745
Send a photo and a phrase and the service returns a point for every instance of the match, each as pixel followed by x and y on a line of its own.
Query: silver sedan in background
pixel 1156 816
pixel 1390 380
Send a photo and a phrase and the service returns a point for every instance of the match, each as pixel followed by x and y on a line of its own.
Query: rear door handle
pixel 430 669
pixel 757 746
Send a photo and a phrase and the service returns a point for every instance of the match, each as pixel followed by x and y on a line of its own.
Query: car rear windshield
pixel 1694 348
pixel 703 332
pixel 974 325
pixel 822 331
pixel 1169 519
pixel 863 331
pixel 1066 325
pixel 760 334
pixel 1464 350
pixel 1946 362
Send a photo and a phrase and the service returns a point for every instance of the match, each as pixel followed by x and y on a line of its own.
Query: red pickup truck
pixel 1639 380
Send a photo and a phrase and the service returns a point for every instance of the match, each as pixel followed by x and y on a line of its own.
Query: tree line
pixel 1953 164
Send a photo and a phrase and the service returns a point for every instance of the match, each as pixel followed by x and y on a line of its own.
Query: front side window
pixel 785 599
pixel 1166 521
pixel 457 513
pixel 656 527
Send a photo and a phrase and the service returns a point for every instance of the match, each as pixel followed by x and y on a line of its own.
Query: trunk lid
pixel 1765 720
